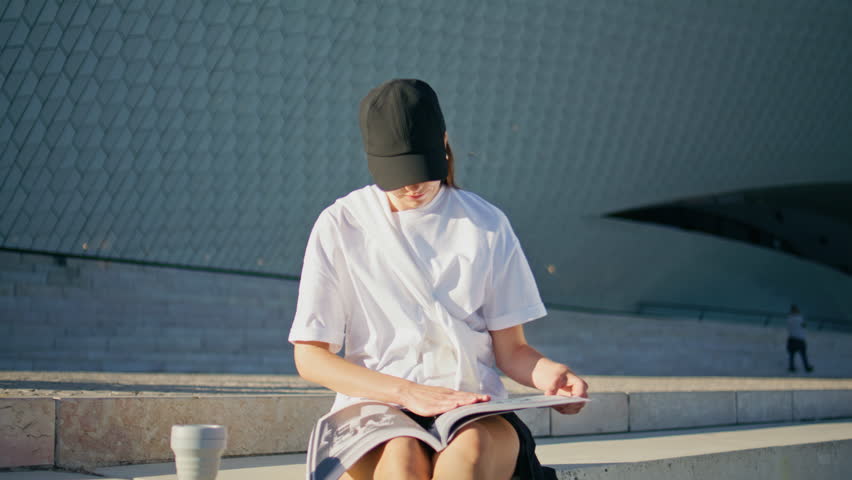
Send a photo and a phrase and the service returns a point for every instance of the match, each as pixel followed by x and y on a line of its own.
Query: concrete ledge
pixel 664 410
pixel 815 450
pixel 290 466
pixel 49 475
pixel 94 432
pixel 764 407
pixel 89 432
pixel 740 452
pixel 829 461
pixel 822 404
pixel 538 420
pixel 27 427
pixel 606 413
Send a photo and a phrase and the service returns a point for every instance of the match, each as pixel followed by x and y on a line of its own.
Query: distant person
pixel 796 339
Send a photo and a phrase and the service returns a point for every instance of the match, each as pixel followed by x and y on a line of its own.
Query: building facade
pixel 208 135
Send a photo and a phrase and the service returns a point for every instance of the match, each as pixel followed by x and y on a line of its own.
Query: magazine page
pixel 449 423
pixel 342 437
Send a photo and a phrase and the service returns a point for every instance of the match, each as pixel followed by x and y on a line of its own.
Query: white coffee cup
pixel 198 450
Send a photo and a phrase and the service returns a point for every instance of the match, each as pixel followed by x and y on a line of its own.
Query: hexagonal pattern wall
pixel 211 133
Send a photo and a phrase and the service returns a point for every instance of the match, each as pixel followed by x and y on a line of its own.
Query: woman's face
pixel 413 196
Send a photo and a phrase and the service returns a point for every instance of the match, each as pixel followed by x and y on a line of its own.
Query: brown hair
pixel 450 181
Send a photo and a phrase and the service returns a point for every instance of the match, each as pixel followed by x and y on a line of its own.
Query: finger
pixel 433 410
pixel 555 387
pixel 569 412
pixel 478 397
pixel 451 401
pixel 576 389
pixel 569 409
pixel 573 407
pixel 474 398
pixel 468 398
pixel 436 408
pixel 581 389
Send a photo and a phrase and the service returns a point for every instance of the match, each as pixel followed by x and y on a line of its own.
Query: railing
pixel 822 322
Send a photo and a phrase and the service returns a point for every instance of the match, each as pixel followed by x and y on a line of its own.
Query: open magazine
pixel 342 437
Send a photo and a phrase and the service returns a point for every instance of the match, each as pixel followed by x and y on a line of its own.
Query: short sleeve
pixel 320 312
pixel 512 297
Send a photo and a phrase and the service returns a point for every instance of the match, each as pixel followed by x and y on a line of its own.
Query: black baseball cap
pixel 403 131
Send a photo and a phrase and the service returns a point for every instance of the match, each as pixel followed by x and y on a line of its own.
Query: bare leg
pixel 485 449
pixel 401 457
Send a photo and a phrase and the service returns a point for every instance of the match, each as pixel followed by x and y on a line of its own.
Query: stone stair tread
pixel 564 453
pixel 281 467
pixel 80 382
pixel 49 475
pixel 661 444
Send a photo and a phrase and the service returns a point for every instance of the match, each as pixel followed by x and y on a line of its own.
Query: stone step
pixel 98 278
pixel 252 361
pixel 63 317
pixel 145 339
pixel 815 450
pixel 134 429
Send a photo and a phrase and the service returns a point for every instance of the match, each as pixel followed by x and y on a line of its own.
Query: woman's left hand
pixel 557 379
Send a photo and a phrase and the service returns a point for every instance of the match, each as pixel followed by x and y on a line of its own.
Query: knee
pixel 487 448
pixel 472 442
pixel 404 457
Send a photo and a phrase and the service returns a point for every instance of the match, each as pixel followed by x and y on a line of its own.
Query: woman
pixel 427 287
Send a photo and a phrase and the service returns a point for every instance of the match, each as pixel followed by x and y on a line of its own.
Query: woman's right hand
pixel 429 401
pixel 317 364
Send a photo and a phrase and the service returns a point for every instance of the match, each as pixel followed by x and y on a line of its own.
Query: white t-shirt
pixel 796 326
pixel 352 293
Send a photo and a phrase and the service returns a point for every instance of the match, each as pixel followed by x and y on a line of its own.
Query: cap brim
pixel 391 173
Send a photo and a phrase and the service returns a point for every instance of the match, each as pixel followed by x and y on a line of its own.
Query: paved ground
pixel 70 384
